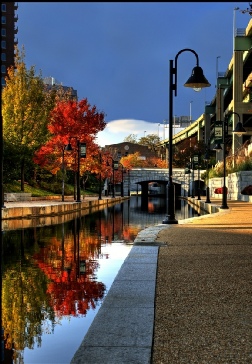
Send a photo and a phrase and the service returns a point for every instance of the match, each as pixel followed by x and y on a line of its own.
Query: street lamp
pixel 114 168
pixel 218 148
pixel 239 129
pixel 207 159
pixel 81 153
pixel 196 81
pixel 122 171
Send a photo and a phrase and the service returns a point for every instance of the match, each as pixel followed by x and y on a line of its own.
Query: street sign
pixel 218 132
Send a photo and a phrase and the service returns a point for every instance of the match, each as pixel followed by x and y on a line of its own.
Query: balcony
pixel 15 30
pixel 15 6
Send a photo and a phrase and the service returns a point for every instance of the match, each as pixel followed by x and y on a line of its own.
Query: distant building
pixel 8 37
pixel 51 82
pixel 123 149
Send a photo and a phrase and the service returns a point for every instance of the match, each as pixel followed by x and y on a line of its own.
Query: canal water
pixel 55 278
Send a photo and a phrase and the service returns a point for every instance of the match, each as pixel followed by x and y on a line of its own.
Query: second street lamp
pixel 81 153
pixel 196 81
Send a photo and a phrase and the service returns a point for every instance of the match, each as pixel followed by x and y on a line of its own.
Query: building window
pixel 3 44
pixel 3 81
pixel 3 32
pixel 3 56
pixel 3 68
pixel 3 19
pixel 3 7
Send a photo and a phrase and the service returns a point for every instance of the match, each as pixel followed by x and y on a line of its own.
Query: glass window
pixel 3 68
pixel 3 19
pixel 3 7
pixel 3 81
pixel 3 56
pixel 3 32
pixel 3 44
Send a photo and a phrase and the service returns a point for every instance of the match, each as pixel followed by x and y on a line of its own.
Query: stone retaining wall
pixel 235 182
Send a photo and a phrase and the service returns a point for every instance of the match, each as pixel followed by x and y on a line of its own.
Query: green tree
pixel 25 108
pixel 132 138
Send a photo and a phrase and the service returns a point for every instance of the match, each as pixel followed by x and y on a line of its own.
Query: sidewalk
pixel 203 304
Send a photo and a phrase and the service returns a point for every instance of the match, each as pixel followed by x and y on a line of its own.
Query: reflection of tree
pixel 72 292
pixel 25 305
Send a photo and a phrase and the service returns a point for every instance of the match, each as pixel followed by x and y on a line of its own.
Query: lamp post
pixel 129 182
pixel 188 171
pixel 196 81
pixel 100 189
pixel 114 168
pixel 122 171
pixel 63 174
pixel 239 129
pixel 218 148
pixel 81 153
pixel 207 159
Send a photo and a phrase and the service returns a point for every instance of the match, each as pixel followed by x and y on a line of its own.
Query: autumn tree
pixel 25 108
pixel 73 122
pixel 135 161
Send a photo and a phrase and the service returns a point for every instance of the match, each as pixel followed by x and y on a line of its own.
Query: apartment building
pixel 9 32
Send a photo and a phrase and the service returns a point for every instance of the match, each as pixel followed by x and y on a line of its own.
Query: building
pixel 125 148
pixel 51 83
pixel 9 31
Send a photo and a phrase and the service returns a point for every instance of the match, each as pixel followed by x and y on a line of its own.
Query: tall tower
pixel 8 36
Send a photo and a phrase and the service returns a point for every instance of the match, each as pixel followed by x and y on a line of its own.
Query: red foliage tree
pixel 71 121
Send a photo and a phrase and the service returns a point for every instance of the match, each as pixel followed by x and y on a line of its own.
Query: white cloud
pixel 117 130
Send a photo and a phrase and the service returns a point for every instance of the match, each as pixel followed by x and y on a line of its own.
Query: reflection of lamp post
pixel 196 81
pixel 81 153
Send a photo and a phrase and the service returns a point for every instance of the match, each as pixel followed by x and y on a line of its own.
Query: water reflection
pixel 56 277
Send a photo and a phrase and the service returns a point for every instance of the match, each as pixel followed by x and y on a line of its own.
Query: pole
pixel 224 188
pixel 171 190
pixel 100 160
pixel 113 189
pixel 63 174
pixel 78 173
pixel 199 198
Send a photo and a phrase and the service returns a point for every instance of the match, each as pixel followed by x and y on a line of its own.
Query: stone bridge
pixel 137 179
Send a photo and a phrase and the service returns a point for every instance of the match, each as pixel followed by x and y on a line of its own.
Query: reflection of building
pixel 8 40
pixel 51 83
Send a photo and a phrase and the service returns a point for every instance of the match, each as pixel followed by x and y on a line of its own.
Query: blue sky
pixel 117 55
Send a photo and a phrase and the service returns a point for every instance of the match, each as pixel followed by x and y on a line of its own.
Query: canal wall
pixel 43 213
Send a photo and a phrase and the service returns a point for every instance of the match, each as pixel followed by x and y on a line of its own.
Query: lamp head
pixel 217 147
pixel 197 80
pixel 68 147
pixel 239 129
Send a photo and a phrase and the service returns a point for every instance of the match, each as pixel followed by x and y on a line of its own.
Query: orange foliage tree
pixel 134 161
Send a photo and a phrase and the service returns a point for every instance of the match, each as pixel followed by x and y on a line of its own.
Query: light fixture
pixel 239 129
pixel 217 147
pixel 197 80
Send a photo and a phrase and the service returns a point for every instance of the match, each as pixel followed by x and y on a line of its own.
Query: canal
pixel 55 278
